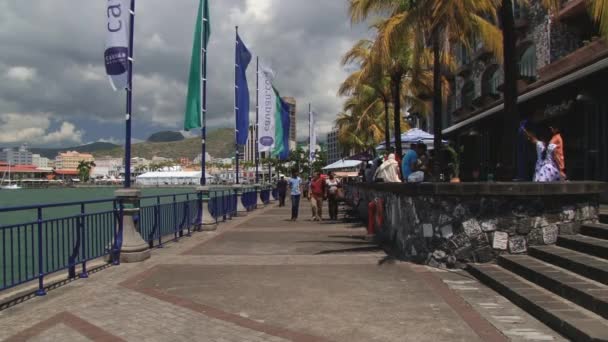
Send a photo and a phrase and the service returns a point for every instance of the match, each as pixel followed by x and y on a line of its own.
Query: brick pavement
pixel 261 278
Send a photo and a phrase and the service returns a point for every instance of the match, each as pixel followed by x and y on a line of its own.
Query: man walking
pixel 317 193
pixel 295 183
pixel 282 190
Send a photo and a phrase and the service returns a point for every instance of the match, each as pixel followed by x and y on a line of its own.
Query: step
pixel 586 293
pixel 580 263
pixel 585 244
pixel 566 318
pixel 599 231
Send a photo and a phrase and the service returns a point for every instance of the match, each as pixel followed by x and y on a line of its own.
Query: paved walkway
pixel 263 278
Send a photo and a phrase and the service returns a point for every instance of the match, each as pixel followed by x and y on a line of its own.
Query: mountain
pixel 166 136
pixel 220 144
pixel 51 153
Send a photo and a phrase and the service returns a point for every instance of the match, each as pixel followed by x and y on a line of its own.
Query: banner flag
pixel 313 137
pixel 282 127
pixel 243 57
pixel 116 54
pixel 202 32
pixel 267 109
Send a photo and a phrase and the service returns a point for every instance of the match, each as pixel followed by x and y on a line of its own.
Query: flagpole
pixel 309 139
pixel 127 183
pixel 204 42
pixel 236 108
pixel 257 115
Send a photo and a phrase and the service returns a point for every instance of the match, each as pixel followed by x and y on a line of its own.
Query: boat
pixel 10 185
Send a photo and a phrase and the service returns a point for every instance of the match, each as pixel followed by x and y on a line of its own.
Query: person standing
pixel 317 193
pixel 546 169
pixel 558 153
pixel 282 189
pixel 331 188
pixel 295 184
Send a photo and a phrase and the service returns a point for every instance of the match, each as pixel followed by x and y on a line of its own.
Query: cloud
pixel 21 73
pixel 36 129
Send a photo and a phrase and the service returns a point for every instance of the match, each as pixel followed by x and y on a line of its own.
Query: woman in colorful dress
pixel 546 169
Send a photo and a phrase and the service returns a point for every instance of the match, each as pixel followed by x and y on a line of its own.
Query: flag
pixel 313 137
pixel 269 112
pixel 242 59
pixel 281 147
pixel 202 32
pixel 116 55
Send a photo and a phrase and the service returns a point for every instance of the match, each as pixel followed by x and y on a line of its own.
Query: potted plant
pixel 454 165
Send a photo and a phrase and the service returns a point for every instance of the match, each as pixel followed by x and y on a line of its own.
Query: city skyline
pixel 304 49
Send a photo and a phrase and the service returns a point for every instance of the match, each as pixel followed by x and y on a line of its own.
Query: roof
pixel 343 164
pixel 173 174
pixel 23 169
pixel 67 172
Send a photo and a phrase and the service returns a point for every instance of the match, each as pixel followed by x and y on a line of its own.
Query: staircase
pixel 565 286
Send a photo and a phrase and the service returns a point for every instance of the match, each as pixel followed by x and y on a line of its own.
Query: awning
pixel 343 164
pixel 344 174
pixel 581 73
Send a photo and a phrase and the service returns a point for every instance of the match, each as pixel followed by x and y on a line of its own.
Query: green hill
pixel 51 153
pixel 220 144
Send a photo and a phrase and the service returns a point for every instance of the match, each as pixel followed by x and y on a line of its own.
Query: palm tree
pixel 84 170
pixel 599 12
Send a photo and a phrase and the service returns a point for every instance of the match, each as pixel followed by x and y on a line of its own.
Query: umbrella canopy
pixel 343 164
pixel 412 136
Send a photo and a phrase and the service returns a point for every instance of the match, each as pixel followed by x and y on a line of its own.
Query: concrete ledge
pixel 490 188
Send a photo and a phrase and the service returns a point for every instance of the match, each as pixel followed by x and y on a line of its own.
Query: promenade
pixel 263 278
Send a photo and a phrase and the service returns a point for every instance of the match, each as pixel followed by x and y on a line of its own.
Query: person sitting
pixel 410 158
pixel 388 172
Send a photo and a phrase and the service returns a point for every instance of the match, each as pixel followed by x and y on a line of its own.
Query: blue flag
pixel 243 57
pixel 286 123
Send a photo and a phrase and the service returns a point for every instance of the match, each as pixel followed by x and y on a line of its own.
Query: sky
pixel 54 91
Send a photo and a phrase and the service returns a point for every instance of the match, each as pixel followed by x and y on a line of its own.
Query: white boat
pixel 10 186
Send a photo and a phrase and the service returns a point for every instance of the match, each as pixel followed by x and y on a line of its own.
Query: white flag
pixel 267 110
pixel 117 42
pixel 313 137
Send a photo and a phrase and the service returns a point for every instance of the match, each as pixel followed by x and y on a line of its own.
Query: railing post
pixel 41 291
pixel 207 221
pixel 199 216
pixel 84 273
pixel 175 224
pixel 158 222
pixel 187 213
pixel 133 248
pixel 240 209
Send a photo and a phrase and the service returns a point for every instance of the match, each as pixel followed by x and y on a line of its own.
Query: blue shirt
pixel 409 158
pixel 294 183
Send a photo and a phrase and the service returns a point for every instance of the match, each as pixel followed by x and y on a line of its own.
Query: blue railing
pixel 42 239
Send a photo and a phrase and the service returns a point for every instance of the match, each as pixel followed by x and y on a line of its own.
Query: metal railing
pixel 39 240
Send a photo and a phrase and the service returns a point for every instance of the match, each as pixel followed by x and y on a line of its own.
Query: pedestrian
pixel 295 184
pixel 546 169
pixel 316 196
pixel 558 153
pixel 388 172
pixel 331 192
pixel 410 158
pixel 282 189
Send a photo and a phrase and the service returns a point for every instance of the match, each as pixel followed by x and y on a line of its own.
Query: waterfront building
pixel 40 161
pixel 70 160
pixel 19 156
pixel 250 146
pixel 562 67
pixel 197 160
pixel 106 167
pixel 293 122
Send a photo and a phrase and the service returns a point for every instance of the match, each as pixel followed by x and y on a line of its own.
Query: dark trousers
pixel 295 205
pixel 282 199
pixel 333 206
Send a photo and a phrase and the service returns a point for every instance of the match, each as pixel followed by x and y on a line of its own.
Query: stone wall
pixel 447 230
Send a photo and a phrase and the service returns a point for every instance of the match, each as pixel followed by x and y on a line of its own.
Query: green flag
pixel 193 118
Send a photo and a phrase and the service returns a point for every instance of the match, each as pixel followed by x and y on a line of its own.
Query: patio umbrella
pixel 413 136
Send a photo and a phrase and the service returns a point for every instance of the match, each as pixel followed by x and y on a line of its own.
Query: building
pixel 250 146
pixel 40 161
pixel 70 160
pixel 107 167
pixel 334 151
pixel 562 68
pixel 19 156
pixel 293 122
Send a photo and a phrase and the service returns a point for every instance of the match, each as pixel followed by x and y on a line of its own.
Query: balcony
pixel 580 58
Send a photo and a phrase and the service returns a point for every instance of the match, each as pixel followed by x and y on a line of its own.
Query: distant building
pixel 185 162
pixel 292 119
pixel 197 160
pixel 334 150
pixel 251 145
pixel 20 156
pixel 107 167
pixel 156 159
pixel 139 162
pixel 70 160
pixel 40 161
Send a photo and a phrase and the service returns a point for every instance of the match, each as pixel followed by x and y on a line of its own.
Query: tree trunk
pixel 511 117
pixel 437 110
pixel 396 90
pixel 387 127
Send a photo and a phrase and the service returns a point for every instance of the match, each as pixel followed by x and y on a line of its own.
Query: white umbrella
pixel 413 136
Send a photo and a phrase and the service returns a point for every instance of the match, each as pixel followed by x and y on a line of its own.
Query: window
pixel 468 94
pixel 490 81
pixel 527 62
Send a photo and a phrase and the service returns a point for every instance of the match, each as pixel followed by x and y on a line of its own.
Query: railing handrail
pixel 55 205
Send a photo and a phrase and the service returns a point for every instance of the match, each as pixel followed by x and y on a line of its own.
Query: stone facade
pixel 448 230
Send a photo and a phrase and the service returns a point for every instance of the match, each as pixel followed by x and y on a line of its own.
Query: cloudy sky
pixel 54 92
